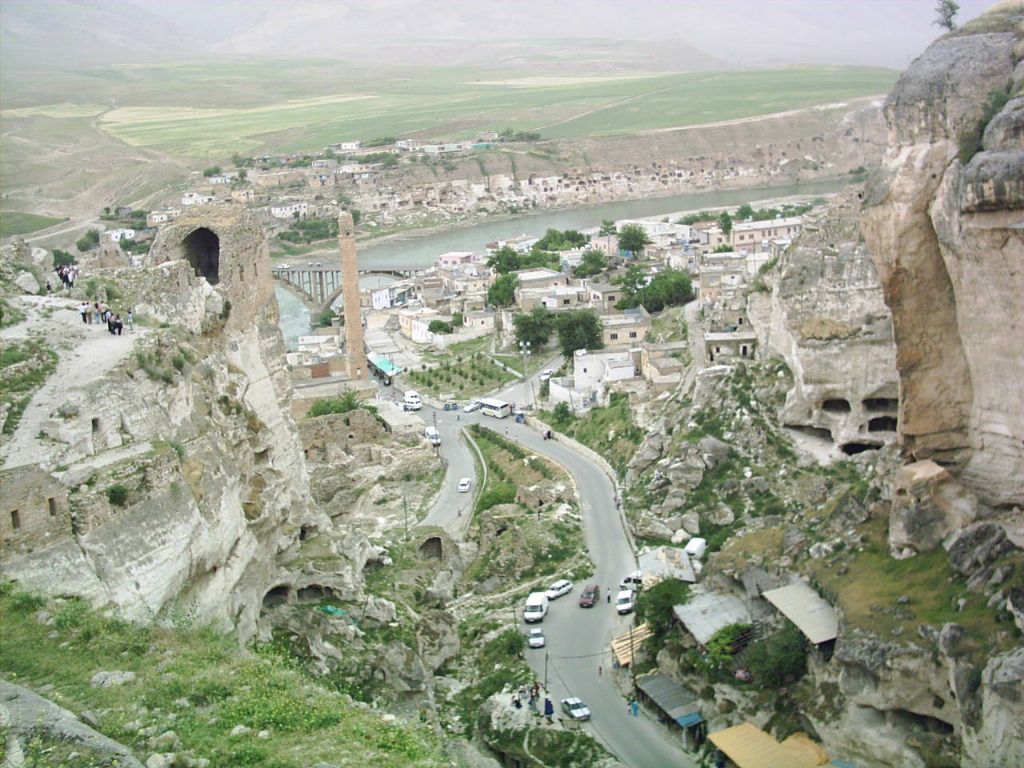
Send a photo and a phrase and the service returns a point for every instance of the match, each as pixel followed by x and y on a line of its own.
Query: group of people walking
pixel 68 274
pixel 97 313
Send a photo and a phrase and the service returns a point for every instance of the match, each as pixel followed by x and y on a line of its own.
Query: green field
pixel 221 109
pixel 17 223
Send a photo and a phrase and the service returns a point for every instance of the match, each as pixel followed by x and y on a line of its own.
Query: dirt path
pixel 87 352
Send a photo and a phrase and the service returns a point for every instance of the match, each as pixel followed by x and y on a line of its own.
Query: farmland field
pixel 17 223
pixel 257 112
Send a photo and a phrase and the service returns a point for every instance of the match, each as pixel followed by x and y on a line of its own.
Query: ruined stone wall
pixel 34 511
pixel 949 246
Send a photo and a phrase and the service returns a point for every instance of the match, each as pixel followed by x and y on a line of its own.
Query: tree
pixel 348 401
pixel 633 238
pixel 778 660
pixel 555 240
pixel 439 326
pixel 654 605
pixel 213 170
pixel 561 415
pixel 88 241
pixel 725 222
pixel 458 320
pixel 669 288
pixel 745 211
pixel 534 327
pixel 243 175
pixel 723 248
pixel 503 292
pixel 504 260
pixel 578 329
pixel 945 14
pixel 591 263
pixel 607 228
pixel 61 258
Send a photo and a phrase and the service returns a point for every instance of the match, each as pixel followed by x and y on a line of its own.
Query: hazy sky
pixel 740 32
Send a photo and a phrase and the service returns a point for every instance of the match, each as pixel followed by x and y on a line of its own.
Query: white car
pixel 559 588
pixel 536 638
pixel 575 708
pixel 624 601
pixel 546 374
pixel 465 484
pixel 472 405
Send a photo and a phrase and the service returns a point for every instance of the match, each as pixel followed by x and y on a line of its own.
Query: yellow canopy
pixel 750 747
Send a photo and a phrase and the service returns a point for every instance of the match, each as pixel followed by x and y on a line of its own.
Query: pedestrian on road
pixel 549 708
pixel 131 319
pixel 635 708
pixel 598 670
pixel 608 594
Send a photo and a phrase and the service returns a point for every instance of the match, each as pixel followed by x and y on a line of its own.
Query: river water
pixel 420 250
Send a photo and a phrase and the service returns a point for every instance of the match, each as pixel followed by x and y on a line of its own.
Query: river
pixel 420 250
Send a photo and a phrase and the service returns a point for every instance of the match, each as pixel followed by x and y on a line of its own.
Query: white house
pixel 446 149
pixel 117 235
pixel 454 258
pixel 289 210
pixel 593 373
pixel 196 198
pixel 162 216
pixel 346 146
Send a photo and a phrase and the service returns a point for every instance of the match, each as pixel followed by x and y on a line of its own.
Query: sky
pixel 741 33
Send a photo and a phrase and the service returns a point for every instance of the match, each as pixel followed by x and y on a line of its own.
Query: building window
pixel 632 334
pixel 15 519
pixel 52 505
pixel 614 336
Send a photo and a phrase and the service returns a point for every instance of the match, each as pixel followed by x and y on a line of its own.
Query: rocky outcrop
pixel 943 220
pixel 828 321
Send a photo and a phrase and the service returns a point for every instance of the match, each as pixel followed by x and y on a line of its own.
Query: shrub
pixel 117 495
pixel 970 141
pixel 778 660
pixel 349 401
pixel 655 605
pixel 498 493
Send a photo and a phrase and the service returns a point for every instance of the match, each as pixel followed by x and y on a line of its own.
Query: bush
pixel 117 495
pixel 498 493
pixel 349 401
pixel 778 660
pixel 970 141
pixel 60 258
pixel 561 415
pixel 655 605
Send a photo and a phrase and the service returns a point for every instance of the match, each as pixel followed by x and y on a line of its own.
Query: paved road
pixel 578 639
pixel 452 510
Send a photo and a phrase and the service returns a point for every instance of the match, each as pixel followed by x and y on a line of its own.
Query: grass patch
pixel 225 686
pixel 18 223
pixel 459 377
pixel 610 431
pixel 24 368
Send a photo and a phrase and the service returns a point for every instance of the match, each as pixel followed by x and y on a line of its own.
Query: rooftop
pixel 746 226
pixel 804 607
pixel 750 747
pixel 709 612
pixel 528 275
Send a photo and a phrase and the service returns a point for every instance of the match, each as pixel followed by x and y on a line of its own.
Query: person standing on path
pixel 83 310
pixel 131 319
pixel 634 707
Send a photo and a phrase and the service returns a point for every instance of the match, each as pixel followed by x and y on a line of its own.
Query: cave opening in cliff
pixel 276 596
pixel 314 593
pixel 836 405
pixel 882 424
pixel 432 548
pixel 806 429
pixel 881 403
pixel 851 449
pixel 202 250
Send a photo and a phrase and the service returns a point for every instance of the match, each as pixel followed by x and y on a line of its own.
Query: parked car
pixel 546 374
pixel 624 601
pixel 633 581
pixel 465 484
pixel 472 405
pixel 559 588
pixel 536 638
pixel 451 406
pixel 590 595
pixel 575 708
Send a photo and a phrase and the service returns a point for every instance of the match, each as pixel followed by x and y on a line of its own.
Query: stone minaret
pixel 355 355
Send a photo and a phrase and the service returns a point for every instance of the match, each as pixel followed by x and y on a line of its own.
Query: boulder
pixel 691 523
pixel 928 504
pixel 722 514
pixel 680 537
pixel 652 529
pixel 977 547
pixel 111 679
pixel 27 282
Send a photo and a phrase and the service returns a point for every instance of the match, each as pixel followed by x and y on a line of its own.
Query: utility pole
pixel 405 509
pixel 632 656
pixel 545 671
pixel 524 349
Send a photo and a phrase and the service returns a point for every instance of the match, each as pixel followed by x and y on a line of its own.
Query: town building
pixel 756 236
pixel 196 198
pixel 627 327
pixel 292 210
pixel 162 216
pixel 593 374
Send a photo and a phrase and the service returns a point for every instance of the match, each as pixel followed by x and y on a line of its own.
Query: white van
pixel 412 401
pixel 536 608
pixel 432 435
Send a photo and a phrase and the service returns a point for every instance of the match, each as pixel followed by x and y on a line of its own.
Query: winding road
pixel 578 639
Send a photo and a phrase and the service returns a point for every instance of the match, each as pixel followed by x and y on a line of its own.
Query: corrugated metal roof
pixel 804 607
pixel 621 645
pixel 750 747
pixel 672 698
pixel 706 613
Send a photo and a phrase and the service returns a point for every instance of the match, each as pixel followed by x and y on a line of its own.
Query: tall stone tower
pixel 355 355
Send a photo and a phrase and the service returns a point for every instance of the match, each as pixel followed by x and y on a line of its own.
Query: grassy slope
pixel 17 223
pixel 207 683
pixel 224 108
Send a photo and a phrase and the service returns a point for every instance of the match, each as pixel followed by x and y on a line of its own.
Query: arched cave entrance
pixel 882 424
pixel 432 548
pixel 202 249
pixel 276 596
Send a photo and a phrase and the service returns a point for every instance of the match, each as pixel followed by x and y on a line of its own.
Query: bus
pixel 499 409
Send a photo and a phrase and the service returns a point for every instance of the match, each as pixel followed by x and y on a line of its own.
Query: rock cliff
pixel 943 218
pixel 175 481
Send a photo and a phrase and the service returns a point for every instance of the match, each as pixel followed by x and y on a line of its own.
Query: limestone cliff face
pixel 178 477
pixel 946 226
pixel 827 320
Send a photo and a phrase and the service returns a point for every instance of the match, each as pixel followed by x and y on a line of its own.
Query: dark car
pixel 590 595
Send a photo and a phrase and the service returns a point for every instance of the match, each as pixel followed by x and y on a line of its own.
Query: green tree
pixel 778 660
pixel 744 212
pixel 439 326
pixel 655 605
pixel 213 170
pixel 88 241
pixel 945 14
pixel 578 329
pixel 633 238
pixel 555 240
pixel 243 175
pixel 668 288
pixel 348 401
pixel 504 260
pixel 561 415
pixel 725 222
pixel 534 327
pixel 723 248
pixel 503 292
pixel 458 320
pixel 607 228
pixel 592 262
pixel 60 258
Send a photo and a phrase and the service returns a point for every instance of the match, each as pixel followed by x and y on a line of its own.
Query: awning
pixel 804 607
pixel 621 645
pixel 750 747
pixel 679 703
pixel 384 365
